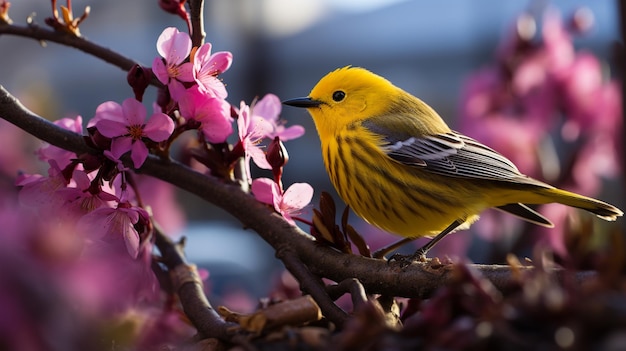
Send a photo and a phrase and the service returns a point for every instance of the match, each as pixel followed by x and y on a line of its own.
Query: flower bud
pixel 171 6
pixel 277 155
pixel 138 78
pixel 175 7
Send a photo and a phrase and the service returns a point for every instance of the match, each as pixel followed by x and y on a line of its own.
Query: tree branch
pixel 377 276
pixel 36 32
pixel 312 285
pixel 196 10
pixel 195 304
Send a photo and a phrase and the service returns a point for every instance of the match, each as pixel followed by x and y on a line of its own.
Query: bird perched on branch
pixel 399 166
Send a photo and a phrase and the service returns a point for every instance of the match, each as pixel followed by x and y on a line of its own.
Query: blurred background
pixel 283 47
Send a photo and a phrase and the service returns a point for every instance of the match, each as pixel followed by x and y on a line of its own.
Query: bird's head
pixel 344 96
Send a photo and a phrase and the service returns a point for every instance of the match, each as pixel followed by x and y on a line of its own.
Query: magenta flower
pixel 269 108
pixel 42 192
pixel 289 203
pixel 211 112
pixel 79 200
pixel 174 47
pixel 206 67
pixel 252 129
pixel 61 156
pixel 125 124
pixel 113 224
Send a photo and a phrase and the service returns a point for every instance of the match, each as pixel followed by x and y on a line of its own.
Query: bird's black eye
pixel 338 95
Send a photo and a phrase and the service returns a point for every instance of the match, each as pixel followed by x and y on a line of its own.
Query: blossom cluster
pixel 549 108
pixel 100 215
pixel 97 192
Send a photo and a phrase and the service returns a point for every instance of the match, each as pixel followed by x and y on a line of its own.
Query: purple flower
pixel 269 108
pixel 81 199
pixel 211 112
pixel 61 156
pixel 125 124
pixel 113 224
pixel 252 129
pixel 206 67
pixel 289 203
pixel 42 192
pixel 174 47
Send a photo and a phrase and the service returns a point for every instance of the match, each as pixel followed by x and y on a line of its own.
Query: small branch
pixel 196 10
pixel 38 33
pixel 313 286
pixel 195 304
pixel 14 112
pixel 352 286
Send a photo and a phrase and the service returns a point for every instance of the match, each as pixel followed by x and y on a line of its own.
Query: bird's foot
pixel 406 260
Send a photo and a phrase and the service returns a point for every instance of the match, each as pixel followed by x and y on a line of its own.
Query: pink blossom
pixel 12 159
pixel 107 280
pixel 174 47
pixel 269 108
pixel 81 199
pixel 289 203
pixel 112 224
pixel 597 159
pixel 160 196
pixel 252 129
pixel 42 192
pixel 211 112
pixel 590 102
pixel 557 42
pixel 485 116
pixel 61 156
pixel 126 125
pixel 206 67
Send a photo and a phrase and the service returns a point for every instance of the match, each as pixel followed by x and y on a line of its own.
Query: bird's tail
pixel 601 209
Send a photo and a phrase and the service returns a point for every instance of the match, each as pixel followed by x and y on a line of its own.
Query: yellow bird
pixel 399 166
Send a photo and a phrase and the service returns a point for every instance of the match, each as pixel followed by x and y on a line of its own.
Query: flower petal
pixel 176 88
pixel 258 156
pixel 120 146
pixel 291 133
pixel 268 107
pixel 185 72
pixel 203 54
pixel 173 45
pixel 110 110
pixel 138 153
pixel 111 128
pixel 160 71
pixel 131 238
pixel 265 190
pixel 212 85
pixel 134 112
pixel 296 197
pixel 221 61
pixel 159 127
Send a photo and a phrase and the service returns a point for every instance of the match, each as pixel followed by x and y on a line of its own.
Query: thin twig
pixel 36 32
pixel 352 286
pixel 195 304
pixel 312 285
pixel 196 10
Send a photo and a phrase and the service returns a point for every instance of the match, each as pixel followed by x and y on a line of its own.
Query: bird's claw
pixel 407 260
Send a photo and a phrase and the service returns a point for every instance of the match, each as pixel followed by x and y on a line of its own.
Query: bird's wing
pixel 450 154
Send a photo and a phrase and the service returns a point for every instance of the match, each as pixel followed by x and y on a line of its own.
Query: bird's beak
pixel 305 102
